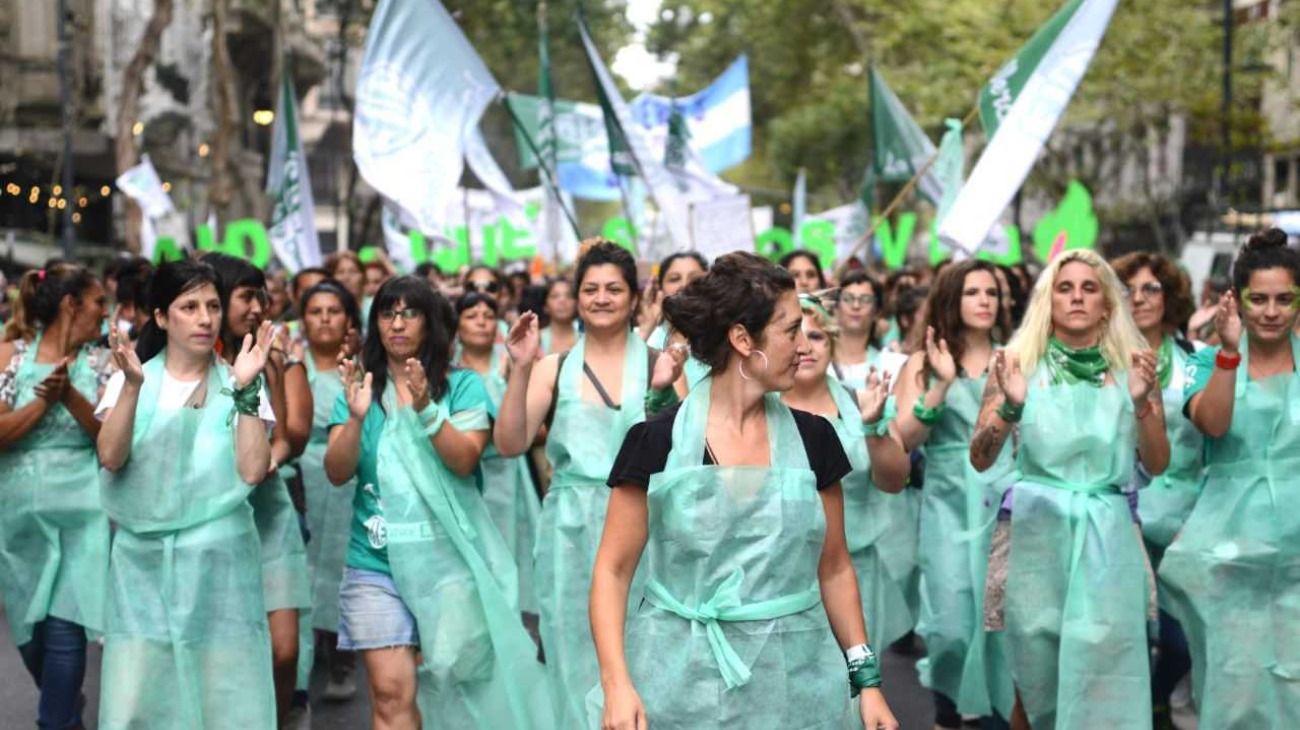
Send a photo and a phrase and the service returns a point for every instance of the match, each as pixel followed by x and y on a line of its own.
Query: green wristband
pixel 659 400
pixel 864 668
pixel 248 399
pixel 927 416
pixel 1010 413
pixel 878 428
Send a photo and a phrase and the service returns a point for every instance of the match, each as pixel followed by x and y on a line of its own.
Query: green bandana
pixel 1165 362
pixel 1068 366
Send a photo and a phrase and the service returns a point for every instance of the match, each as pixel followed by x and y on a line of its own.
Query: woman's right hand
pixel 524 341
pixel 939 357
pixel 356 388
pixel 124 357
pixel 1006 367
pixel 623 710
pixel 1227 322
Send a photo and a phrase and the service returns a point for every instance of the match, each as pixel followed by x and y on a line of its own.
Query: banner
pixel 629 149
pixel 420 94
pixel 1020 107
pixel 900 147
pixel 293 215
pixel 142 184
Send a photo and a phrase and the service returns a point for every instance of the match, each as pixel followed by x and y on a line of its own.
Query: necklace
pixel 708 448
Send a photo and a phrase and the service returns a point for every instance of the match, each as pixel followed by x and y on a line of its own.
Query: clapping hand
pixel 524 341
pixel 939 358
pixel 252 356
pixel 1142 377
pixel 356 388
pixel 1006 368
pixel 417 384
pixel 124 356
pixel 668 366
pixel 872 400
pixel 1227 322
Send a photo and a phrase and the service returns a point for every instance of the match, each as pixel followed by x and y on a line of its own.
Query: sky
pixel 640 68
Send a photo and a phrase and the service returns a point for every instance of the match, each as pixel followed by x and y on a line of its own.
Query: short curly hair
pixel 1177 287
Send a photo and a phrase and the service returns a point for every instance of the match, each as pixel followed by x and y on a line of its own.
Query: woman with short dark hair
pixel 751 606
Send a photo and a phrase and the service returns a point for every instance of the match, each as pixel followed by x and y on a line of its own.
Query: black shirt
pixel 646 446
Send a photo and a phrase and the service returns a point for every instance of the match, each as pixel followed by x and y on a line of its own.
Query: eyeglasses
pixel 491 287
pixel 1149 290
pixel 858 300
pixel 410 314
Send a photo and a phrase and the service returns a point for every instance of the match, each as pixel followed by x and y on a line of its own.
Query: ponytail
pixel 40 292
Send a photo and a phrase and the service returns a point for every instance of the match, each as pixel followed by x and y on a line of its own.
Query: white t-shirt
pixel 171 396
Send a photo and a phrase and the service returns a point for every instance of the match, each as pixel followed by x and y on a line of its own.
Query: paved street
pixel 18 695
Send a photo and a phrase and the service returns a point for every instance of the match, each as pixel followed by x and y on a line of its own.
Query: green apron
pixel 54 536
pixel 732 631
pixel 329 508
pixel 478 666
pixel 880 529
pixel 1076 594
pixel 1166 501
pixel 958 510
pixel 511 496
pixel 583 440
pixel 1233 572
pixel 186 644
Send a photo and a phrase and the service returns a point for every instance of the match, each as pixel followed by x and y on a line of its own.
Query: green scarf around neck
pixel 1071 367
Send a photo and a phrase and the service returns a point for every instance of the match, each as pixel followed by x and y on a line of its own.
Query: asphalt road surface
pixel 910 702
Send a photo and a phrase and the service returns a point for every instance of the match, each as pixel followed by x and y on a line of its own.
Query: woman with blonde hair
pixel 1079 383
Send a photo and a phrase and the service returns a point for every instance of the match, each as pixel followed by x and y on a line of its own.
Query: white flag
pixel 293 217
pixel 142 184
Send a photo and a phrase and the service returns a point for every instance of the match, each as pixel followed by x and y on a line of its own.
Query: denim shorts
pixel 371 613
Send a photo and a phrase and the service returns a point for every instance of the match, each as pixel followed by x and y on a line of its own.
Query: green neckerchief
pixel 1165 361
pixel 1065 365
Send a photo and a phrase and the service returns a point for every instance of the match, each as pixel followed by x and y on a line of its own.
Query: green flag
pixel 546 140
pixel 900 147
pixel 293 216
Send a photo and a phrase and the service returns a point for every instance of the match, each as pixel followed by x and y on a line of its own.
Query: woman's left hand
pixel 252 356
pixel 871 402
pixel 417 384
pixel 668 366
pixel 1142 378
pixel 876 714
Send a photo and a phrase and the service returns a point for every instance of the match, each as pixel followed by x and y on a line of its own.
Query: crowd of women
pixel 579 502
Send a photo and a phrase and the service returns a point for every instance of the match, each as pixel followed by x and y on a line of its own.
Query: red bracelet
pixel 1224 361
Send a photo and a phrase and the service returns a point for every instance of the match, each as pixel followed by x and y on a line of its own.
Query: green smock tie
pixel 1165 362
pixel 725 605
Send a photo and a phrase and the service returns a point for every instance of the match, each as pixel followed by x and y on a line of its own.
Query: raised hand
pixel 872 400
pixel 252 356
pixel 668 366
pixel 417 383
pixel 939 358
pixel 524 341
pixel 1142 377
pixel 1227 322
pixel 356 388
pixel 1006 368
pixel 124 357
pixel 651 307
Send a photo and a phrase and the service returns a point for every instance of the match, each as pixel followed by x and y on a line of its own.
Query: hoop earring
pixel 741 364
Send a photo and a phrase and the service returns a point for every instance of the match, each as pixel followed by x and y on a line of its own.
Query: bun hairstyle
pixel 40 292
pixel 740 288
pixel 1265 250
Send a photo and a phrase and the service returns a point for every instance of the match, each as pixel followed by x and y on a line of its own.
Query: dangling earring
pixel 741 365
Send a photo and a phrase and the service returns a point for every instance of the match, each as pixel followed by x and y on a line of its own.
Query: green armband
pixel 927 416
pixel 432 417
pixel 1010 413
pixel 878 428
pixel 657 400
pixel 864 668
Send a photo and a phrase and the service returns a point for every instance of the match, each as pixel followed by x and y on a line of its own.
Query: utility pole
pixel 65 101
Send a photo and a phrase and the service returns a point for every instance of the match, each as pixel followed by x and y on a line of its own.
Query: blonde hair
pixel 1120 338
pixel 809 305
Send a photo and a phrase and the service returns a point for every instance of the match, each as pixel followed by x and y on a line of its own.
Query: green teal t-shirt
pixel 1200 366
pixel 368 545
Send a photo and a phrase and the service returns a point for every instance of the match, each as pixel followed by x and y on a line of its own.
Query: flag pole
pixel 541 165
pixel 898 199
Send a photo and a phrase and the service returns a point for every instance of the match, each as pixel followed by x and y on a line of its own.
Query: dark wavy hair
pixel 740 288
pixel 439 332
pixel 942 311
pixel 599 252
pixel 787 259
pixel 672 258
pixel 1176 285
pixel 331 286
pixel 1264 250
pixel 169 282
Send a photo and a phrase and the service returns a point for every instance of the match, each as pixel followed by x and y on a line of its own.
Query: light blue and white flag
pixel 717 117
pixel 420 94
